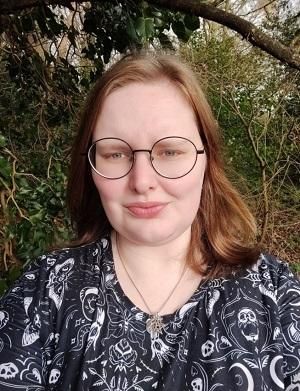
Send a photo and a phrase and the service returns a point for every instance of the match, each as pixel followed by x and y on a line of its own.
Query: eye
pixel 116 155
pixel 171 149
pixel 169 153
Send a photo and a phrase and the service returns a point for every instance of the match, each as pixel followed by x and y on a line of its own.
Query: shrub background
pixel 49 59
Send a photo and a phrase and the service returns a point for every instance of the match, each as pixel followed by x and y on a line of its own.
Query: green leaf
pixel 165 41
pixel 149 27
pixel 143 28
pixel 140 27
pixel 2 141
pixel 192 22
pixel 5 168
pixel 130 29
pixel 3 286
pixel 158 22
pixel 37 217
pixel 157 14
pixel 180 30
pixel 14 273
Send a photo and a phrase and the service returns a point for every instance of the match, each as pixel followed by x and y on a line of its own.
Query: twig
pixel 258 9
pixel 13 200
pixel 262 164
pixel 49 167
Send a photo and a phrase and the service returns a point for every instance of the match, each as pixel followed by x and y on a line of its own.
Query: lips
pixel 146 209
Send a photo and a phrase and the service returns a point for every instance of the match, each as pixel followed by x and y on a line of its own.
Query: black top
pixel 67 325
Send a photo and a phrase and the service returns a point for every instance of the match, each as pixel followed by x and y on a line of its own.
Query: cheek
pixel 108 190
pixel 190 186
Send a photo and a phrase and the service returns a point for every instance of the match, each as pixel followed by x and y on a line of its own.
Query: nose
pixel 142 176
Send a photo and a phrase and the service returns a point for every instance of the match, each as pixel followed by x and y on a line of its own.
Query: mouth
pixel 145 209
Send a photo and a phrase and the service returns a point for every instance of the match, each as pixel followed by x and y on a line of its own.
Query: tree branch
pixel 11 6
pixel 195 7
pixel 258 9
pixel 245 28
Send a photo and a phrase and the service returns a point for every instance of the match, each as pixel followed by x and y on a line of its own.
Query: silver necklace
pixel 154 323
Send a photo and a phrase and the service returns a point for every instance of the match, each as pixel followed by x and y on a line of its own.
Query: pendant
pixel 154 325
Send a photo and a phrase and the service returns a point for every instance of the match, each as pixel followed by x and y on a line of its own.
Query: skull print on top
pixel 67 325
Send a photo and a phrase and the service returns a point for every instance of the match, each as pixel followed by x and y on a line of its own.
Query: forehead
pixel 146 112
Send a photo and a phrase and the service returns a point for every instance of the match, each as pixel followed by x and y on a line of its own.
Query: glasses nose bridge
pixel 134 151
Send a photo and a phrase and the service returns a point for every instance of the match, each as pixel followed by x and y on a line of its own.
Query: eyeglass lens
pixel 171 157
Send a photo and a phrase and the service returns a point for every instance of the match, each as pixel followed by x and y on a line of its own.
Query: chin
pixel 152 237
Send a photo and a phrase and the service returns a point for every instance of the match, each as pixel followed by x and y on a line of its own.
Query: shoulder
pixel 272 268
pixel 51 284
pixel 275 275
pixel 70 257
pixel 59 265
pixel 85 251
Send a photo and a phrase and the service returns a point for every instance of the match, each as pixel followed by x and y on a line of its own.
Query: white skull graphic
pixel 54 376
pixel 8 370
pixel 3 318
pixel 247 322
pixel 207 348
pixel 197 384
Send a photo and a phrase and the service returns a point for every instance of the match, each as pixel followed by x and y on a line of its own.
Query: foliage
pixel 34 145
pixel 256 106
pixel 49 59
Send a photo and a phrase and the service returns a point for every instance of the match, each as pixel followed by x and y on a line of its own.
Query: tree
pixel 257 106
pixel 52 54
pixel 246 29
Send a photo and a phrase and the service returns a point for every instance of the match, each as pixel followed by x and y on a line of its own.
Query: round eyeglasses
pixel 171 157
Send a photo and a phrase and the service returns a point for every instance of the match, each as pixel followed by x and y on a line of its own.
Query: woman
pixel 164 289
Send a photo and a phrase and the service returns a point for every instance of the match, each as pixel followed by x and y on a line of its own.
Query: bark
pixel 246 29
pixel 199 8
pixel 11 6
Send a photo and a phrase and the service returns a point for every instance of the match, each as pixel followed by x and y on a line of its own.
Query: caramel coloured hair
pixel 223 233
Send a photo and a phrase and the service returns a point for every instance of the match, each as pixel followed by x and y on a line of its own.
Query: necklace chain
pixel 154 323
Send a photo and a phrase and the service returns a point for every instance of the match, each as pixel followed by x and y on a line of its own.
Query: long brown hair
pixel 224 229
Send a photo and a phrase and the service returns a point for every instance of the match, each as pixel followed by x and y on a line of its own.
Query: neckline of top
pixel 202 287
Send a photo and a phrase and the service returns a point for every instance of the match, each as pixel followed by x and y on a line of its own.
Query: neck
pixel 141 259
pixel 157 280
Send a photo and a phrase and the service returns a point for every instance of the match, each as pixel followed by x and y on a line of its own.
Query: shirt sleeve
pixel 26 339
pixel 289 311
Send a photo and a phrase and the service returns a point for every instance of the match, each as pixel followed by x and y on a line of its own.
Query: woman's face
pixel 144 207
